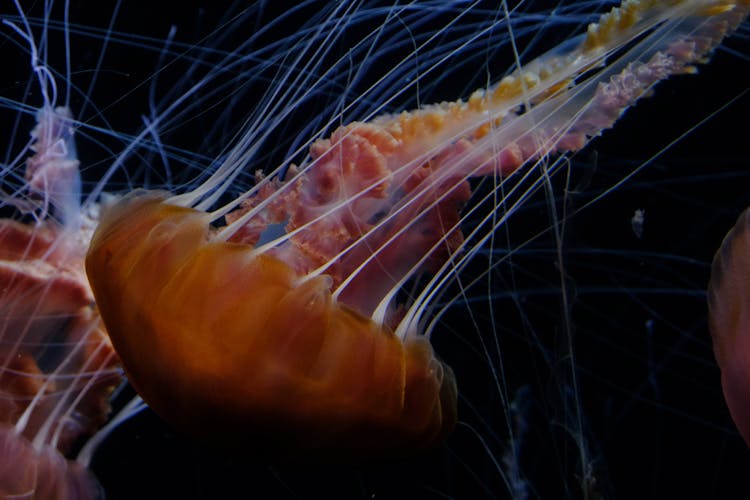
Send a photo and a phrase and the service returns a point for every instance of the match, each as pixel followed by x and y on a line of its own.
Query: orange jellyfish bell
pixel 729 320
pixel 233 348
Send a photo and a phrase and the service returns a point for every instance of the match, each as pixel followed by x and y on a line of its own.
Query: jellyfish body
pixel 728 297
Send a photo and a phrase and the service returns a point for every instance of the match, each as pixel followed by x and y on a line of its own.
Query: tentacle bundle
pixel 232 347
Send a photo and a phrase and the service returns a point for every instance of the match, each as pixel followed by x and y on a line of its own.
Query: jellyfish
pixel 241 336
pixel 152 147
pixel 726 300
pixel 299 339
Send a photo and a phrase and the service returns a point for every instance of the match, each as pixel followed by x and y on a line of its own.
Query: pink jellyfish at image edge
pixel 59 367
pixel 729 320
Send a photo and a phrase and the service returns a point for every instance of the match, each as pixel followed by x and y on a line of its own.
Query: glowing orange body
pixel 226 347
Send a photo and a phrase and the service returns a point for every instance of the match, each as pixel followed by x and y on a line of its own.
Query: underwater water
pixel 584 365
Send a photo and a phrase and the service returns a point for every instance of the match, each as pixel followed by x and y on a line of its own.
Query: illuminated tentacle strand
pixel 261 334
